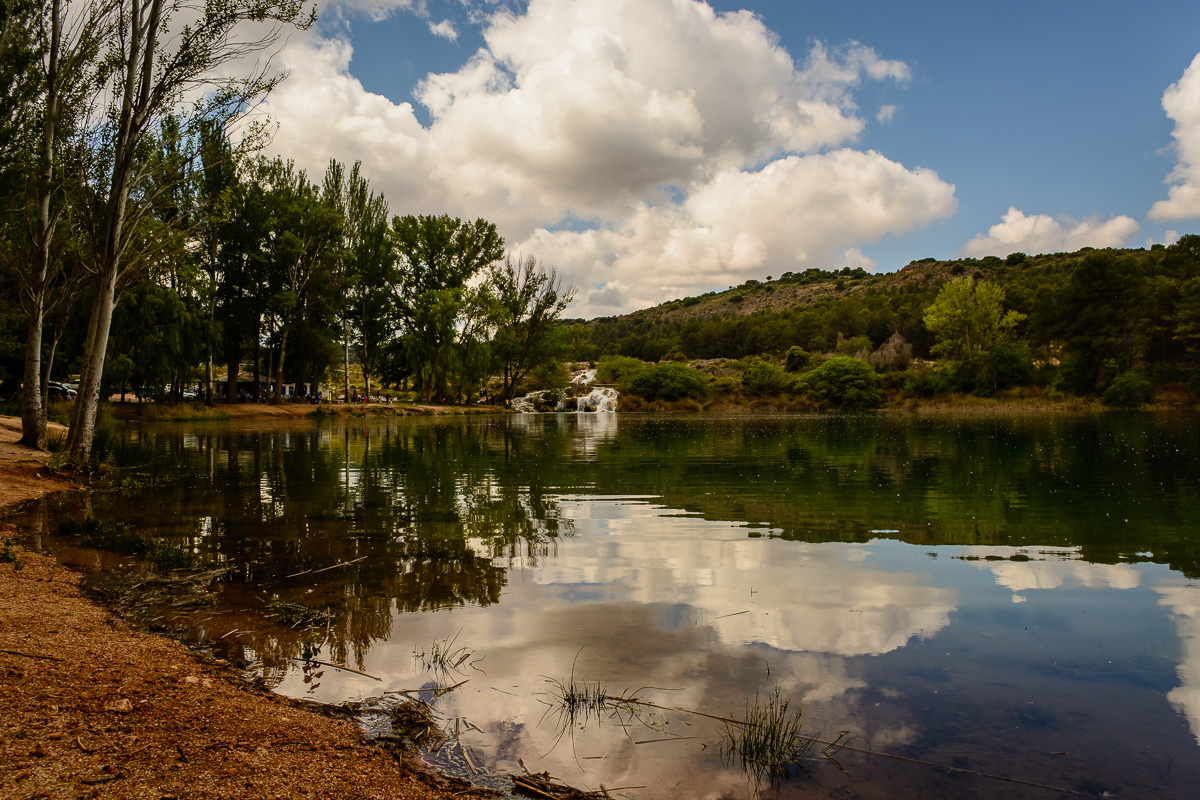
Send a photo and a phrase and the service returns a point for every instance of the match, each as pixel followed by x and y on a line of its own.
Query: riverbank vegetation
pixel 1119 328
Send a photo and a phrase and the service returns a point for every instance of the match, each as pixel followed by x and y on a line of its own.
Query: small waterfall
pixel 583 378
pixel 537 401
pixel 596 400
pixel 599 400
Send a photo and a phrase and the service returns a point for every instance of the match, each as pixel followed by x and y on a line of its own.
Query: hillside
pixel 809 288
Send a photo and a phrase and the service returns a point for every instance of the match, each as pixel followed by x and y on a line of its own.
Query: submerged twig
pixel 335 666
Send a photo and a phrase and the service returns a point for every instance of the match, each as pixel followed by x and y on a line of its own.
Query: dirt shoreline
pixel 90 708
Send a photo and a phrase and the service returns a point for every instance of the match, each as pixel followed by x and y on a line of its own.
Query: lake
pixel 1012 604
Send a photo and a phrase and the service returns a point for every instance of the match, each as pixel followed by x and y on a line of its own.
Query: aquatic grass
pixel 166 555
pixel 444 656
pixel 105 535
pixel 582 699
pixel 296 614
pixel 768 741
pixel 120 538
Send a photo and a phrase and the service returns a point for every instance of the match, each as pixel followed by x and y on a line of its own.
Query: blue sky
pixel 651 149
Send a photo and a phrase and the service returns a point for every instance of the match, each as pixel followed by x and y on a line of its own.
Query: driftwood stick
pixel 467 758
pixel 342 564
pixel 443 690
pixel 527 786
pixel 335 666
pixel 325 569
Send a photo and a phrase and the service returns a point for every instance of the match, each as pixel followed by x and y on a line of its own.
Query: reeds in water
pixel 768 741
pixel 121 538
pixel 444 656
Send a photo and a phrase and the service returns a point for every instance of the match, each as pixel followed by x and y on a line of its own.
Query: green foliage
pixel 797 359
pixel 844 382
pixel 436 258
pixel 927 382
pixel 856 346
pixel 1128 390
pixel 525 301
pixel 618 370
pixel 968 317
pixel 550 375
pixel 121 538
pixel 764 378
pixel 8 554
pixel 1004 366
pixel 669 381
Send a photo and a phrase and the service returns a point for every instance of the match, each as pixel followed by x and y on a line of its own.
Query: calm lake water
pixel 1012 596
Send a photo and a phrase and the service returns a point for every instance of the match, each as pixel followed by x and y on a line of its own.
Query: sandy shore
pixel 90 708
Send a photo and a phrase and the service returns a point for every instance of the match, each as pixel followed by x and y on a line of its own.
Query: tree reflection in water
pixel 359 521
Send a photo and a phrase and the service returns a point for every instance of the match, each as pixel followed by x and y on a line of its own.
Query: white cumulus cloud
pixel 444 29
pixel 646 147
pixel 1040 233
pixel 794 213
pixel 1181 101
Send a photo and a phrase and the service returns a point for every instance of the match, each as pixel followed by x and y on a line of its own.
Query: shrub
pixel 1128 390
pixel 844 382
pixel 927 382
pixel 797 359
pixel 858 346
pixel 762 377
pixel 618 370
pixel 669 382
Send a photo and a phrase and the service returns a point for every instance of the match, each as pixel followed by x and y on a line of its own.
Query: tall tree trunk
pixel 279 367
pixel 47 370
pixel 258 359
pixel 33 407
pixel 270 370
pixel 208 378
pixel 346 359
pixel 364 361
pixel 33 411
pixel 139 60
pixel 231 380
pixel 87 403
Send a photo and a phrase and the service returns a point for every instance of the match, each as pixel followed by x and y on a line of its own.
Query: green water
pixel 1012 596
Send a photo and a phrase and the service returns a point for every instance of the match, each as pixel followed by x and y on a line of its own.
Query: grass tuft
pixel 8 554
pixel 295 615
pixel 768 741
pixel 444 656
pixel 124 540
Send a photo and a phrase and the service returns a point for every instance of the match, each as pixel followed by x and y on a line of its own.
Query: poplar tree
pixel 164 58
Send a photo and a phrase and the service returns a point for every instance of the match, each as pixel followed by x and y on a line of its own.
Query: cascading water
pixel 579 396
pixel 598 400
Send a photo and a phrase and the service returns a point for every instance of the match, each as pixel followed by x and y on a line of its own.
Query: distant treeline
pixel 1074 322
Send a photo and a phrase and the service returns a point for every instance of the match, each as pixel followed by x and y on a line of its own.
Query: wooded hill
pixel 1084 319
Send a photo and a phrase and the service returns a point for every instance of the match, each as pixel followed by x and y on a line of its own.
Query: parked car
pixel 60 391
